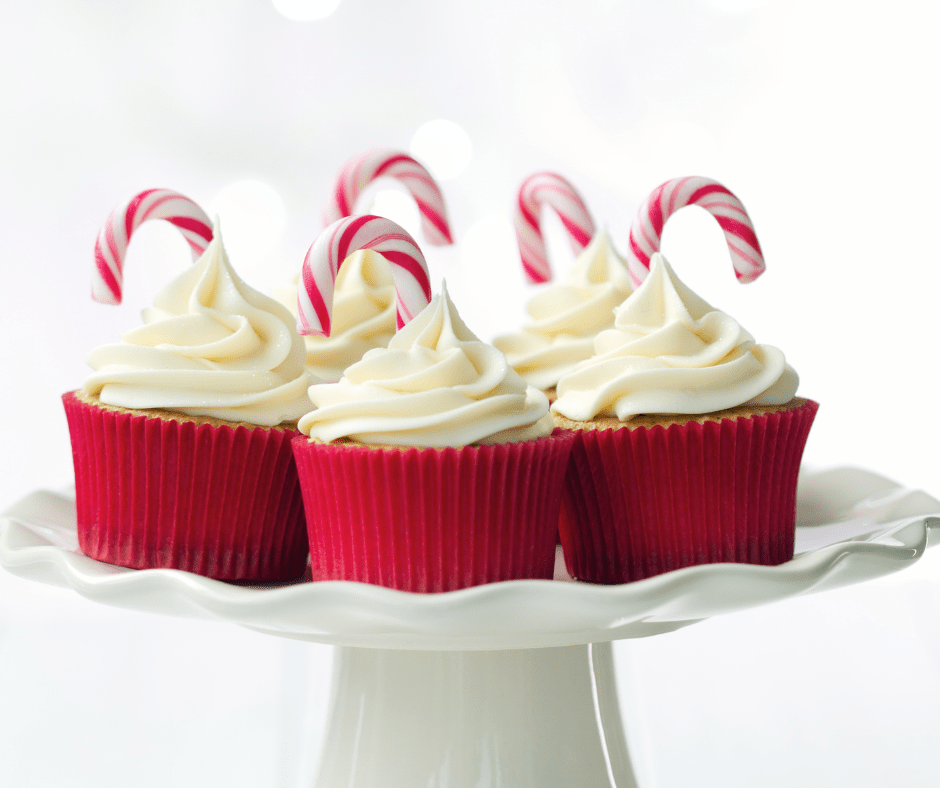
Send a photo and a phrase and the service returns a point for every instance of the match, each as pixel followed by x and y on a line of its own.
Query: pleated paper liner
pixel 221 500
pixel 646 500
pixel 426 519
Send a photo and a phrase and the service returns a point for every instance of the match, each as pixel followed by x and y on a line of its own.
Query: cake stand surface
pixel 509 684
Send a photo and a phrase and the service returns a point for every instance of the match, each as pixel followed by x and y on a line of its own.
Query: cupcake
pixel 564 317
pixel 181 436
pixel 364 298
pixel 689 440
pixel 431 465
pixel 364 315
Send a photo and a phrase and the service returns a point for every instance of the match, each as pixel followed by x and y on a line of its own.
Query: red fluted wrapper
pixel 426 519
pixel 643 501
pixel 217 500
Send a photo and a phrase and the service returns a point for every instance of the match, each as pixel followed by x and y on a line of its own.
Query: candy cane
pixel 335 244
pixel 538 190
pixel 113 238
pixel 669 197
pixel 359 171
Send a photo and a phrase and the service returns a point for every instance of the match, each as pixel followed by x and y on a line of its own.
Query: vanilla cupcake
pixel 181 436
pixel 689 441
pixel 565 316
pixel 431 465
pixel 364 296
pixel 363 315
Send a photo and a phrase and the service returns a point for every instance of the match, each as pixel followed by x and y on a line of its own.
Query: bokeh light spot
pixel 443 147
pixel 252 218
pixel 306 10
pixel 401 208
pixel 737 6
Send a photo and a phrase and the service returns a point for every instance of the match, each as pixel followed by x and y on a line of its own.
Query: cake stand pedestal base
pixel 487 687
pixel 522 718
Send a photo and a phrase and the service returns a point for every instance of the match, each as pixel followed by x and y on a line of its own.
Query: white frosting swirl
pixel 670 352
pixel 436 385
pixel 210 346
pixel 363 315
pixel 566 316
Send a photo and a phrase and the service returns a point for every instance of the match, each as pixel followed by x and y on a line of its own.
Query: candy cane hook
pixel 339 241
pixel 111 245
pixel 537 191
pixel 669 197
pixel 359 171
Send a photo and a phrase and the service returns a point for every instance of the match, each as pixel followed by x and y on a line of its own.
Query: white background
pixel 821 116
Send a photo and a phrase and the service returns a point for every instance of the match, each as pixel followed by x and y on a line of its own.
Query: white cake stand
pixel 509 684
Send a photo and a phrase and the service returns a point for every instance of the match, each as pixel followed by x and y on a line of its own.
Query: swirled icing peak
pixel 566 316
pixel 670 352
pixel 209 346
pixel 436 385
pixel 363 315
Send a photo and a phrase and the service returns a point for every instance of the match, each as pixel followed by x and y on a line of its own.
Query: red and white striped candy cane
pixel 359 171
pixel 548 189
pixel 669 197
pixel 113 238
pixel 339 241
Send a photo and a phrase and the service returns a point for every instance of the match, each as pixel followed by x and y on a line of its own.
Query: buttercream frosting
pixel 209 346
pixel 566 316
pixel 671 352
pixel 436 384
pixel 363 315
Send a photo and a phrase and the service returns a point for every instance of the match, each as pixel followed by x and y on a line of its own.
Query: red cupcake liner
pixel 432 519
pixel 645 501
pixel 219 501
